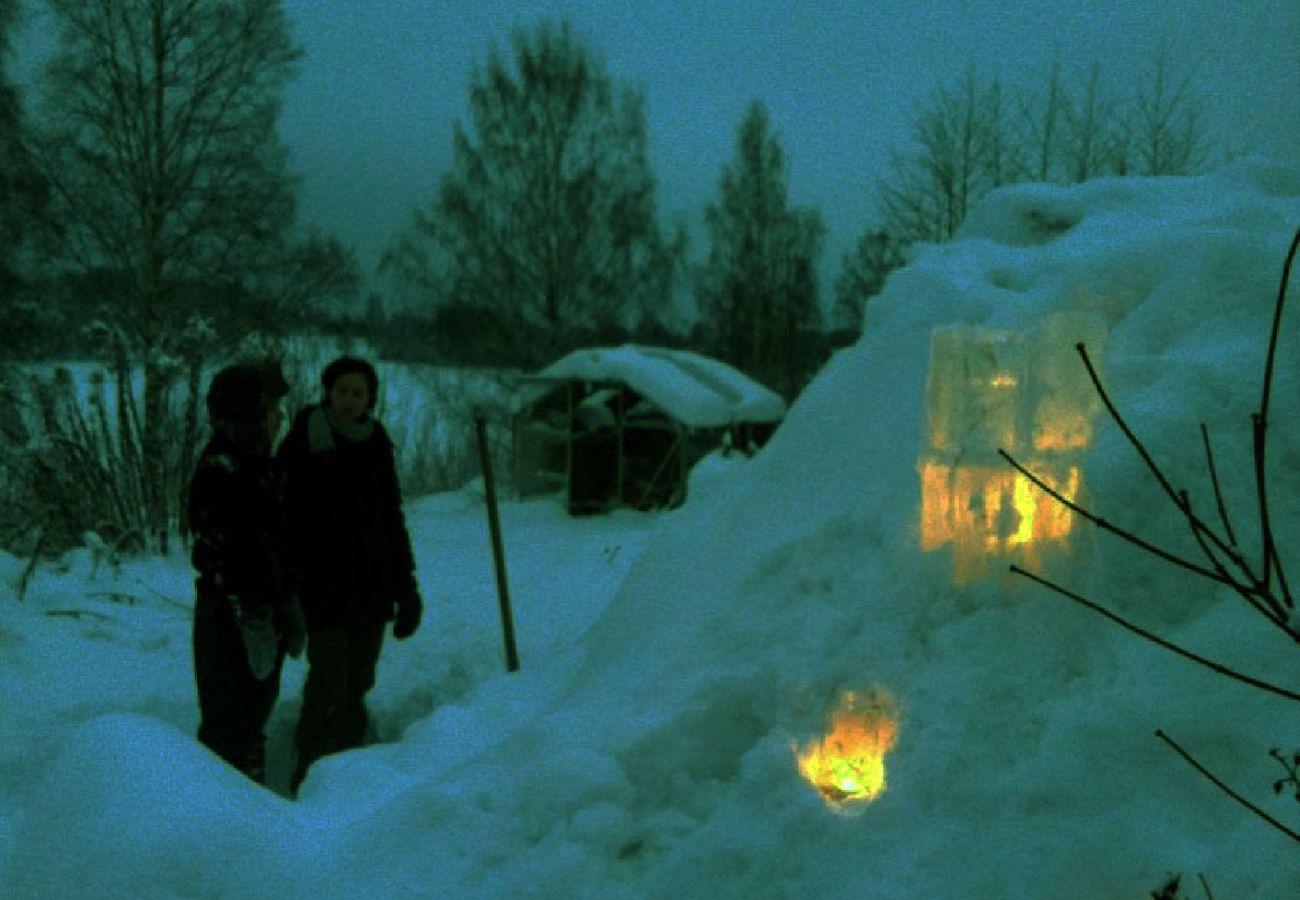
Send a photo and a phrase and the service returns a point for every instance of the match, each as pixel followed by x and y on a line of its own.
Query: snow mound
pixel 1025 758
pixel 134 808
pixel 654 757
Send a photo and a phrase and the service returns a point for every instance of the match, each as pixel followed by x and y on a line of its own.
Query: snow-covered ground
pixel 673 663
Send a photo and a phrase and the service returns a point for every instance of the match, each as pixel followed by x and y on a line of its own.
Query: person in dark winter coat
pixel 352 551
pixel 246 615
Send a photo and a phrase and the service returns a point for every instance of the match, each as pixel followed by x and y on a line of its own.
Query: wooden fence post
pixel 498 552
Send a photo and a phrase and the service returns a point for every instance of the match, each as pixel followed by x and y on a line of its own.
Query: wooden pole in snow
pixel 498 552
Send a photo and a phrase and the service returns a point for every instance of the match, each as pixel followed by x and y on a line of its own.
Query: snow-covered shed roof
pixel 695 390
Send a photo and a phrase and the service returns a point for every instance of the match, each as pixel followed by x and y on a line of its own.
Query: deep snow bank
pixel 657 760
pixel 1026 764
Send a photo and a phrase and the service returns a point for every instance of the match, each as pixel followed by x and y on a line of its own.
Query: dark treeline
pixel 147 215
pixel 981 133
pixel 542 236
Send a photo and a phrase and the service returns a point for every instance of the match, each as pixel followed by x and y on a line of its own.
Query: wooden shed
pixel 622 426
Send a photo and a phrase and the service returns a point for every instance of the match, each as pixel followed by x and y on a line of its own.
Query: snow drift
pixel 653 756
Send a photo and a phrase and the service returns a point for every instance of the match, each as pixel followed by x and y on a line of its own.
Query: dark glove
pixel 261 644
pixel 407 619
pixel 292 627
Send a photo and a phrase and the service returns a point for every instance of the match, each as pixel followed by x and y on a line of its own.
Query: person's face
pixel 349 396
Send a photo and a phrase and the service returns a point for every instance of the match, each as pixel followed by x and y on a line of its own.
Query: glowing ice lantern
pixel 847 764
pixel 1026 392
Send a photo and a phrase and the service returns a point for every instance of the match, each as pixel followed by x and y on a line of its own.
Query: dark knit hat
pixel 275 385
pixel 351 365
pixel 240 394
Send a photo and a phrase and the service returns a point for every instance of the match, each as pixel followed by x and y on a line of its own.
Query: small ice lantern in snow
pixel 847 764
pixel 1025 392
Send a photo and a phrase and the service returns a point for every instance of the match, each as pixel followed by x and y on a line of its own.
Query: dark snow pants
pixel 341 670
pixel 233 705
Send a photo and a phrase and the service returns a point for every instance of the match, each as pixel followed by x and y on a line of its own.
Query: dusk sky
pixel 370 117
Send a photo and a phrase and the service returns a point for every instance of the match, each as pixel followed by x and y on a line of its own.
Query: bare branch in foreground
pixel 1295 836
pixel 1272 561
pixel 1156 639
pixel 1178 497
pixel 1260 602
pixel 1214 481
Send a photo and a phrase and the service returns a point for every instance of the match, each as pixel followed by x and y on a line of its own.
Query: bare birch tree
pixel 545 228
pixel 958 154
pixel 1087 120
pixel 167 177
pixel 963 145
pixel 1042 120
pixel 1168 128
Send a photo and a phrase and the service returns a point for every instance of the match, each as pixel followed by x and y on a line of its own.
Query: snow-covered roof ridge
pixel 692 388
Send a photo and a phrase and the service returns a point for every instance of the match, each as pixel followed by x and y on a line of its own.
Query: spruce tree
pixel 757 292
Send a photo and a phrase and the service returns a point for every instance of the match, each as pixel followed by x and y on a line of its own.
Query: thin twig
pixel 1123 426
pixel 1277 326
pixel 1214 481
pixel 1205 886
pixel 30 569
pixel 1178 498
pixel 1255 594
pixel 118 597
pixel 163 597
pixel 1295 836
pixel 1105 525
pixel 1272 562
pixel 78 614
pixel 1156 639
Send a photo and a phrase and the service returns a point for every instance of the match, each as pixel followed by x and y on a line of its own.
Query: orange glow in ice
pixel 847 765
pixel 1017 391
pixel 1060 427
pixel 987 510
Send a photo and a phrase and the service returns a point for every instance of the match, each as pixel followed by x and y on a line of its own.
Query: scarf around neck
pixel 323 426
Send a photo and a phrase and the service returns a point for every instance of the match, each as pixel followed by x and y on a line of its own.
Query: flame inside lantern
pixel 992 390
pixel 847 765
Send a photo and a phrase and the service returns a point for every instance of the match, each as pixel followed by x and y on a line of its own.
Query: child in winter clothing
pixel 353 553
pixel 246 616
